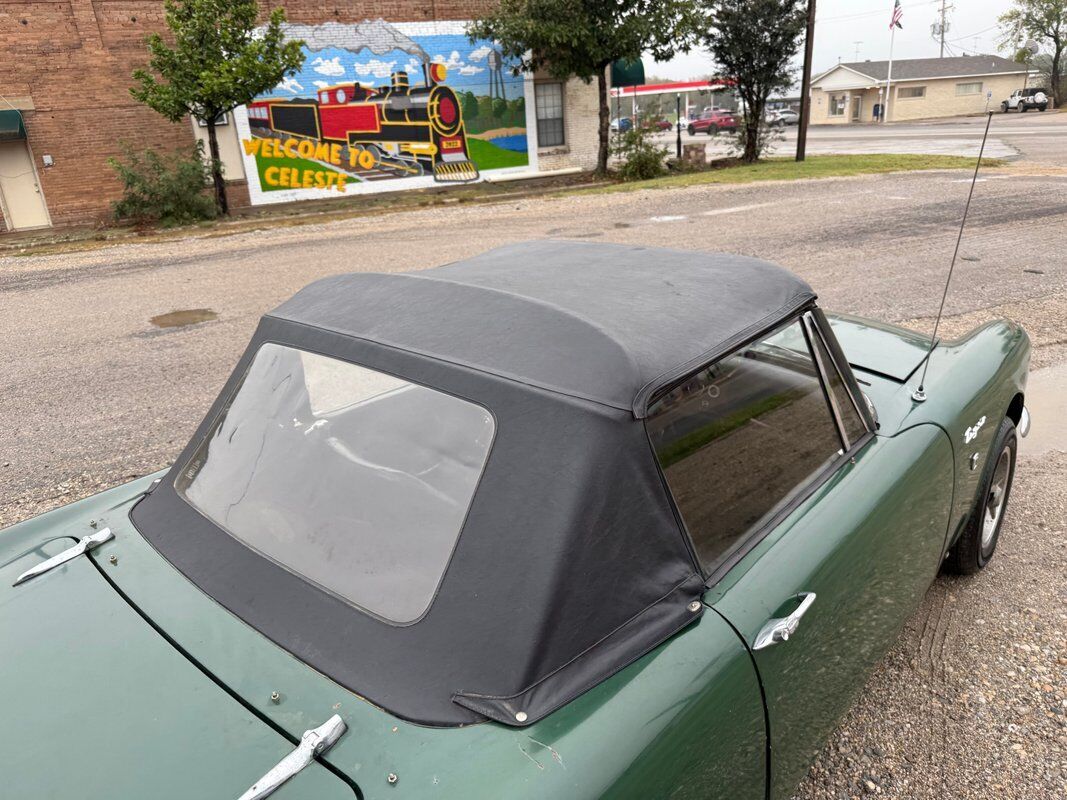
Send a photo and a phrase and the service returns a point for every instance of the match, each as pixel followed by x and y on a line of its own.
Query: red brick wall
pixel 75 57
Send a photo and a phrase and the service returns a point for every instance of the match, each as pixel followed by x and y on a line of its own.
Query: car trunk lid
pixel 99 703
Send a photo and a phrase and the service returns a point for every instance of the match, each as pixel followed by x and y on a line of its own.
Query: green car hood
pixel 879 348
pixel 97 704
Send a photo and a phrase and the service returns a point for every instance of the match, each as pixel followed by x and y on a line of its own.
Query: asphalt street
pixel 1037 137
pixel 971 701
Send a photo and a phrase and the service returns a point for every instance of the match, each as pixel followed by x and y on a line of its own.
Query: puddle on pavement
pixel 188 316
pixel 1046 400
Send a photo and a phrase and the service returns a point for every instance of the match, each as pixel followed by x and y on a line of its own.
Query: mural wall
pixel 381 106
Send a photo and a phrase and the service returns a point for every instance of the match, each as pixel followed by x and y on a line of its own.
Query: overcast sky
pixel 843 26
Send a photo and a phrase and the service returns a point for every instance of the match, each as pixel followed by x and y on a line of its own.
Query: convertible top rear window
pixel 356 481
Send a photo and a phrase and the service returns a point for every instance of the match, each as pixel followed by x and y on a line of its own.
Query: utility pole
pixel 939 29
pixel 678 124
pixel 857 49
pixel 805 85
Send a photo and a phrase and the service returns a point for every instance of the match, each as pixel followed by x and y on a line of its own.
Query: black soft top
pixel 604 322
pixel 572 562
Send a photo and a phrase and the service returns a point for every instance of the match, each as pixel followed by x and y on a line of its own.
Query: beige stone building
pixel 921 88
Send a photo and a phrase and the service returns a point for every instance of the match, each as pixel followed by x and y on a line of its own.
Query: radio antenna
pixel 919 395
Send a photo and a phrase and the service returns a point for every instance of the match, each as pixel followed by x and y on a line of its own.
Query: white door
pixel 20 192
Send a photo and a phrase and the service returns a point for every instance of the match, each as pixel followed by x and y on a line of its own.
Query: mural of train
pixel 398 129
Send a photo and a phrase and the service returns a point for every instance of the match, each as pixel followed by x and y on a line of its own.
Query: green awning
pixel 627 73
pixel 11 126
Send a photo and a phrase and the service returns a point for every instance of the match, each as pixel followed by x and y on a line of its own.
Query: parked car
pixel 498 530
pixel 660 124
pixel 711 122
pixel 1023 99
pixel 780 117
pixel 621 124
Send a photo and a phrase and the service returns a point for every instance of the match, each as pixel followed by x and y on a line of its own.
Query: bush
pixel 641 158
pixel 166 190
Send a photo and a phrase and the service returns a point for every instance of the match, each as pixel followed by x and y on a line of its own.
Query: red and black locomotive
pixel 400 130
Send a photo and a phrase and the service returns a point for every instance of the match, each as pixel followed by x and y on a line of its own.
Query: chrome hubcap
pixel 994 503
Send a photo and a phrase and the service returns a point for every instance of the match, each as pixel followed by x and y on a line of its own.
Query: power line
pixel 972 35
pixel 873 12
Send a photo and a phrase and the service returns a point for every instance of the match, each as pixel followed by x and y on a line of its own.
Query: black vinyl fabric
pixel 603 322
pixel 571 563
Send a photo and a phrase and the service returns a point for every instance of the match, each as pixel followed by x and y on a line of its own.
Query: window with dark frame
pixel 851 422
pixel 548 101
pixel 740 440
pixel 911 92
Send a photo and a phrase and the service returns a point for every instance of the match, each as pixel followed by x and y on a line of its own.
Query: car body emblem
pixel 972 433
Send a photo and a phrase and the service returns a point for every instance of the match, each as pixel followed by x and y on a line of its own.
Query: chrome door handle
pixel 779 630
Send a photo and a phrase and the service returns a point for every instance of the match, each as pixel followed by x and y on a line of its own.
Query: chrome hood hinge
pixel 84 545
pixel 313 743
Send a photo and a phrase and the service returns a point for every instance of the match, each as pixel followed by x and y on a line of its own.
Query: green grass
pixel 487 155
pixel 786 169
pixel 695 440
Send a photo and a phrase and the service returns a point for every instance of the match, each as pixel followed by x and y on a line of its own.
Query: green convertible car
pixel 563 520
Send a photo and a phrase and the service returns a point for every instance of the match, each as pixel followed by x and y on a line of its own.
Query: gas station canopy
pixel 671 88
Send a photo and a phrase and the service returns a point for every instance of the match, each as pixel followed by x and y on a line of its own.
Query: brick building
pixel 65 107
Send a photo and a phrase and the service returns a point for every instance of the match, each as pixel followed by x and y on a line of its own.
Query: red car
pixel 711 122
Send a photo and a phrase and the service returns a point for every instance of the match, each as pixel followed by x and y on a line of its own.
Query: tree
pixel 583 37
pixel 470 106
pixel 753 42
pixel 1044 21
pixel 218 61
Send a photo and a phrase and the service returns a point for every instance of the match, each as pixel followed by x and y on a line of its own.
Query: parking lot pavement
pixel 93 393
pixel 1032 137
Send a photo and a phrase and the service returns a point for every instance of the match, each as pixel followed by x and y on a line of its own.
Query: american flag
pixel 898 12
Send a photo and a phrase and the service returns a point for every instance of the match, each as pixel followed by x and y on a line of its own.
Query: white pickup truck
pixel 1024 99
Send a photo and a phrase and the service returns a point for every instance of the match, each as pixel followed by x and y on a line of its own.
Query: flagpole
pixel 889 73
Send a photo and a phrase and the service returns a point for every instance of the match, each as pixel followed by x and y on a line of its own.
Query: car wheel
pixel 978 541
pixel 1022 108
pixel 1042 108
pixel 712 130
pixel 1004 107
pixel 692 131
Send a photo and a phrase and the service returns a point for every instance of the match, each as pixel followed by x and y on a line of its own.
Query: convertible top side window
pixel 741 439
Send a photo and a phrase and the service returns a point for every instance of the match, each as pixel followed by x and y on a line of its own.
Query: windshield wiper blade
pixel 313 743
pixel 84 545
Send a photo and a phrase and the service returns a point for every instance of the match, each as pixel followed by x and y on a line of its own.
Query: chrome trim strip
pixel 841 374
pixel 824 379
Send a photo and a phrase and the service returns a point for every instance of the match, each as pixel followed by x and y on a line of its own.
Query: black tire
pixel 712 130
pixel 692 131
pixel 1042 107
pixel 972 550
pixel 1022 107
pixel 1004 107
